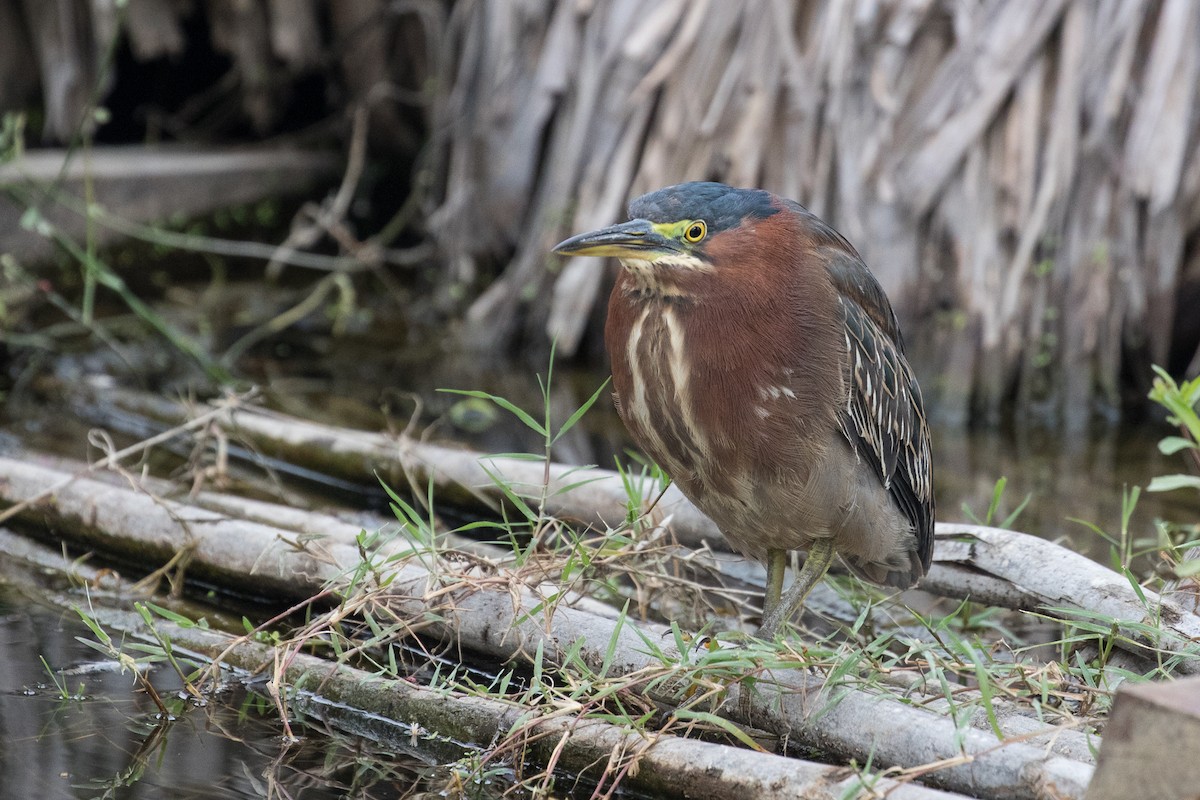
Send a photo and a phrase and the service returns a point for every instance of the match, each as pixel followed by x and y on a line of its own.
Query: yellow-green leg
pixel 776 564
pixel 777 610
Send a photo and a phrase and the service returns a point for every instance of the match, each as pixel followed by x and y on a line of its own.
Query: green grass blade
pixel 521 414
pixel 579 412
pixel 718 722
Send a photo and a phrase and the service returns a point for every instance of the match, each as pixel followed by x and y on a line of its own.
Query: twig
pixel 334 212
pixel 200 421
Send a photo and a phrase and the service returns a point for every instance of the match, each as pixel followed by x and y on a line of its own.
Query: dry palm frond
pixel 1022 177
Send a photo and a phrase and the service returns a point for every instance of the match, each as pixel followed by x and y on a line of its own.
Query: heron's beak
pixel 636 239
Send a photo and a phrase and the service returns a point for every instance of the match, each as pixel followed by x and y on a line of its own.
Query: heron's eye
pixel 695 232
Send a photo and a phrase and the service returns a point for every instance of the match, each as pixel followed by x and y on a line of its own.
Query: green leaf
pixel 165 613
pixel 572 486
pixel 511 495
pixel 538 656
pixel 986 692
pixel 1173 444
pixel 32 220
pixel 507 405
pixel 719 722
pixel 1134 584
pixel 997 493
pixel 481 523
pixel 518 456
pixel 579 412
pixel 1011 518
pixel 1191 392
pixel 106 650
pixel 95 628
pixel 1169 483
pixel 610 651
pixel 413 521
pixel 1187 569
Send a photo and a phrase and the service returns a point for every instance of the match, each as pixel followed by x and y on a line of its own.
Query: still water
pixel 73 728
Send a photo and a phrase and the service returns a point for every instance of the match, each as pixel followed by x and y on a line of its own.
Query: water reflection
pixel 1066 478
pixel 104 739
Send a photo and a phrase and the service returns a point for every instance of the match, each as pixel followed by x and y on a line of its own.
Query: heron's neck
pixel 667 276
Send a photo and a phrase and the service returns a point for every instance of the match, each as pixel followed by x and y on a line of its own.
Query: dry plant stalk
pixel 1022 177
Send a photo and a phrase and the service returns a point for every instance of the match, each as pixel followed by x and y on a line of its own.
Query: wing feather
pixel 883 417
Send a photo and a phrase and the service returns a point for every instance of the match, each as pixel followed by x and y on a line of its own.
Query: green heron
pixel 757 360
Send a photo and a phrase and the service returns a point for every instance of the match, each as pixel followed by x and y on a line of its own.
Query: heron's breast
pixel 658 404
pixel 667 402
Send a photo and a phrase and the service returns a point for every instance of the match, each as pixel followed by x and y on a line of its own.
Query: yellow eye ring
pixel 695 231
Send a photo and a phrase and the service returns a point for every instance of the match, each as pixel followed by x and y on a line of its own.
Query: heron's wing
pixel 855 282
pixel 883 417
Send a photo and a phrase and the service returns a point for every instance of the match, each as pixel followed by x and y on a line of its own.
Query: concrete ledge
pixel 1151 744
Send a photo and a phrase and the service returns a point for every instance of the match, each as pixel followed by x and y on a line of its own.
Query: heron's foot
pixel 777 614
pixel 745 703
pixel 773 624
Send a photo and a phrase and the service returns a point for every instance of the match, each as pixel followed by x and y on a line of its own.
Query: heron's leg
pixel 816 564
pixel 776 564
